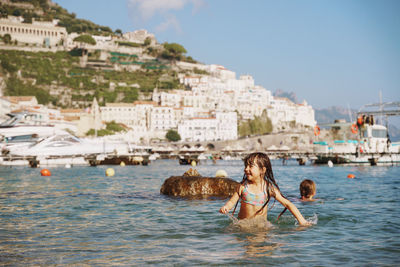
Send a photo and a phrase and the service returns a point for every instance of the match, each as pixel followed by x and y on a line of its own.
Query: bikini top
pixel 253 199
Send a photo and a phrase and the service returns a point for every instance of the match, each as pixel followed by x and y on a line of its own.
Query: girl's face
pixel 254 172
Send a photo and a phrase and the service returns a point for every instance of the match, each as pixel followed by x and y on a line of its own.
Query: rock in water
pixel 198 187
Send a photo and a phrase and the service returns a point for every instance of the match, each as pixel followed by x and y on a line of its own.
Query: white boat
pixel 373 147
pixel 63 145
pixel 24 129
pixel 59 149
pixel 17 141
pixel 25 123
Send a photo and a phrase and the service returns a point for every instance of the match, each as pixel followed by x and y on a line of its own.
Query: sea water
pixel 79 216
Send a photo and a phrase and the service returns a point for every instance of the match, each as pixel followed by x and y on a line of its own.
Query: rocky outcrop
pixel 198 187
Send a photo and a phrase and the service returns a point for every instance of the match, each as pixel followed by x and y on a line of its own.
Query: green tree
pixel 244 128
pixel 114 127
pixel 173 51
pixel 7 38
pixel 147 41
pixel 101 132
pixel 173 135
pixel 259 125
pixel 85 39
pixel 27 17
pixel 16 87
pixel 118 32
pixel 6 65
pixel 130 95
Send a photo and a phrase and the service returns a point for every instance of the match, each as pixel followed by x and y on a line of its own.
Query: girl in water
pixel 256 189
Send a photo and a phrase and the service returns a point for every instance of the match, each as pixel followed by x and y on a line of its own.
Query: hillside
pixel 46 10
pixel 60 79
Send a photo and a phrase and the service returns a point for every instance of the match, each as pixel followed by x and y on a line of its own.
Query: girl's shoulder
pixel 240 189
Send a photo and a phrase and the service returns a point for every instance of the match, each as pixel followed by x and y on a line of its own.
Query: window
pixel 379 133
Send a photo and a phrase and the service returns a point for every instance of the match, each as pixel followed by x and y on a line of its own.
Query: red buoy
pixel 351 176
pixel 45 172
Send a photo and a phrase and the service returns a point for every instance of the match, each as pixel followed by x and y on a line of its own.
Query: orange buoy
pixel 45 172
pixel 351 176
pixel 354 128
pixel 317 130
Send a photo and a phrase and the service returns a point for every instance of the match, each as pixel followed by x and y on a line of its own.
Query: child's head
pixel 262 161
pixel 307 189
pixel 259 159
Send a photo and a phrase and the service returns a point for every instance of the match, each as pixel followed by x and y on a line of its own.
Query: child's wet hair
pixel 307 188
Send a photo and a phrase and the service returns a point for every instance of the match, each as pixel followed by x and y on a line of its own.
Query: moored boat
pixel 372 147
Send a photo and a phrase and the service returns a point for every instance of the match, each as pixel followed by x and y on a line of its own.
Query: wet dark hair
pixel 262 160
pixel 307 188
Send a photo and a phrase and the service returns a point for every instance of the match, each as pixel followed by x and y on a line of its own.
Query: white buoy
pixel 330 164
pixel 110 172
pixel 68 166
pixel 221 173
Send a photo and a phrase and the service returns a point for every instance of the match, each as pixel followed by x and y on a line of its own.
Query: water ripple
pixel 79 216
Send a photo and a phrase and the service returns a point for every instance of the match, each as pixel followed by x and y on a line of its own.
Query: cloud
pixel 197 5
pixel 148 8
pixel 170 22
pixel 164 9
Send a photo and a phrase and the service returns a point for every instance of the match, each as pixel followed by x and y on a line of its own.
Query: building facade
pixel 35 33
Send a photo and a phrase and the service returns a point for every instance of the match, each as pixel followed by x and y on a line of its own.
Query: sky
pixel 328 52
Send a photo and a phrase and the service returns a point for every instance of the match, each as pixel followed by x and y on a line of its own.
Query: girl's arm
pixel 231 202
pixel 291 207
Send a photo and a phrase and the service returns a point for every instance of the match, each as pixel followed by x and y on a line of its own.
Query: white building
pixel 223 126
pixel 104 43
pixel 227 125
pixel 210 110
pixel 172 98
pixel 221 72
pixel 162 119
pixel 21 102
pixel 139 37
pixel 284 112
pixel 198 129
pixel 37 32
pixel 135 116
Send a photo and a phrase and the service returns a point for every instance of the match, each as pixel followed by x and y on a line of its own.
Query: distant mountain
pixel 290 95
pixel 330 114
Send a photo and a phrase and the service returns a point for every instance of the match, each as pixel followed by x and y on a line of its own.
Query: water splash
pixel 256 224
pixel 313 219
pixel 232 218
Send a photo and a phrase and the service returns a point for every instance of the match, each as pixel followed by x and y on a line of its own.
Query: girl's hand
pixel 305 223
pixel 224 210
